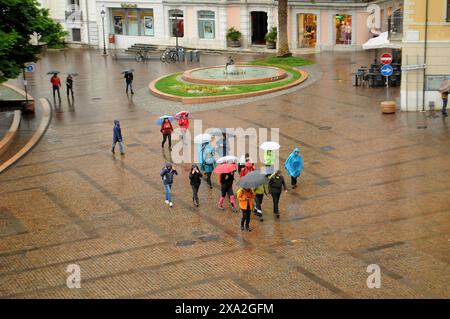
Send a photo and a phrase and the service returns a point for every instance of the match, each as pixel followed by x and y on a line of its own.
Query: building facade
pixel 426 40
pixel 312 25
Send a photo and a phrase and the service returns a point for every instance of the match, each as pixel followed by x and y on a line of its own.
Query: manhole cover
pixel 96 98
pixel 133 144
pixel 421 127
pixel 324 182
pixel 325 128
pixel 199 233
pixel 327 148
pixel 183 243
pixel 209 238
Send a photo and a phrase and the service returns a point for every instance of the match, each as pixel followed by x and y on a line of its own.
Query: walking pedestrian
pixel 223 147
pixel 167 174
pixel 195 177
pixel 56 84
pixel 207 161
pixel 243 161
pixel 226 187
pixel 444 96
pixel 249 167
pixel 294 166
pixel 129 81
pixel 246 196
pixel 260 191
pixel 276 185
pixel 166 131
pixel 269 157
pixel 117 137
pixel 69 85
pixel 183 121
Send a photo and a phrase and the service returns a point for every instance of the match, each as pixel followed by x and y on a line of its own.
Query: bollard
pixel 196 55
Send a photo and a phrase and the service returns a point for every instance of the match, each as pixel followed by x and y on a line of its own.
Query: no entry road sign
pixel 386 58
pixel 387 70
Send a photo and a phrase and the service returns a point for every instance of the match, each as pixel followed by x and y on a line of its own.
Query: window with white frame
pixel 206 24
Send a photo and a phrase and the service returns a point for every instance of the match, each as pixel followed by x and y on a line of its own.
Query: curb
pixel 45 122
pixel 9 136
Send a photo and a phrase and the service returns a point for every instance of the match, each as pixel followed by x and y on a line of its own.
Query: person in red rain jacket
pixel 166 130
pixel 56 84
pixel 184 125
pixel 249 167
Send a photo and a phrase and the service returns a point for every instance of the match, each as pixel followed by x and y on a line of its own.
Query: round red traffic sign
pixel 386 58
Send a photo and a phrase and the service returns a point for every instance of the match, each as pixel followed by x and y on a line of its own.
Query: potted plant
pixel 234 36
pixel 271 38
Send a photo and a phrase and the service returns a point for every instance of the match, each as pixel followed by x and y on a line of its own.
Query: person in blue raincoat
pixel 206 160
pixel 294 166
pixel 117 137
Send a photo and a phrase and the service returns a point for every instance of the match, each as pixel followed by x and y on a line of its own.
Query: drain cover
pixel 209 238
pixel 421 127
pixel 324 128
pixel 199 233
pixel 327 148
pixel 183 243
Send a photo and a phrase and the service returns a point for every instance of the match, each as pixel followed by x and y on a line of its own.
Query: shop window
pixel 132 22
pixel 343 24
pixel 118 17
pixel 147 23
pixel 176 23
pixel 206 25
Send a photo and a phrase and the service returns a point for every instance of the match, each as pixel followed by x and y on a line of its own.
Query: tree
pixel 283 45
pixel 18 20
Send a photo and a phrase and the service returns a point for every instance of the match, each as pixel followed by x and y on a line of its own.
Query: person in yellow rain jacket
pixel 245 197
pixel 269 157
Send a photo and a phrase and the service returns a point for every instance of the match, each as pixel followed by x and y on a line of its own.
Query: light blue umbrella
pixel 161 119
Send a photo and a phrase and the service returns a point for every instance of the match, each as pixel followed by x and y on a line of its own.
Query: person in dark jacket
pixel 166 131
pixel 117 137
pixel 129 81
pixel 226 187
pixel 444 96
pixel 167 174
pixel 276 185
pixel 69 85
pixel 195 176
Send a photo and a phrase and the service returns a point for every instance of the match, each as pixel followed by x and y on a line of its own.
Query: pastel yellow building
pixel 426 41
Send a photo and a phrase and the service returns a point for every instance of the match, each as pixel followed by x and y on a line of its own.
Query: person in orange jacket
pixel 56 84
pixel 246 196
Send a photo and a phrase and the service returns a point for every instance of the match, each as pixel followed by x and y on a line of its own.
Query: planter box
pixel 235 43
pixel 271 45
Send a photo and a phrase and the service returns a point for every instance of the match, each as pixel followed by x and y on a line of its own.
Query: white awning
pixel 380 42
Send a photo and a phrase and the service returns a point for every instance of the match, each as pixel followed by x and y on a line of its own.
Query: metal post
pixel 406 86
pixel 25 85
pixel 104 41
pixel 417 87
pixel 425 55
pixel 176 32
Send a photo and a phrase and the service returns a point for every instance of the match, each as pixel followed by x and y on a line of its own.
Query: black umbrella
pixel 252 180
pixel 127 71
pixel 72 73
pixel 53 72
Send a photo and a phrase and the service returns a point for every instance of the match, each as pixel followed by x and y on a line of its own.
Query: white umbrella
pixel 445 86
pixel 227 159
pixel 269 146
pixel 202 138
pixel 380 42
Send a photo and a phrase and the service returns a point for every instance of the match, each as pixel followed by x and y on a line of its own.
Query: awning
pixel 380 42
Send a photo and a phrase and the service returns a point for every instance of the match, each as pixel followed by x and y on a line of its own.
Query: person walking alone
pixel 294 166
pixel 207 161
pixel 246 196
pixel 117 137
pixel 69 85
pixel 226 187
pixel 129 81
pixel 167 174
pixel 276 185
pixel 166 130
pixel 56 84
pixel 195 177
pixel 444 96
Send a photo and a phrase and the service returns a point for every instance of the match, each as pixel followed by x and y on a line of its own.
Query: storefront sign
pixel 128 5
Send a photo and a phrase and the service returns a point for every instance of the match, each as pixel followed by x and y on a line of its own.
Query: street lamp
pixel 103 13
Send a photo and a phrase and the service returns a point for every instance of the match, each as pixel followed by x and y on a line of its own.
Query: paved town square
pixel 374 190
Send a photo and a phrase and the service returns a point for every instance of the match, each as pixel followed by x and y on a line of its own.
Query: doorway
pixel 259 26
pixel 307 30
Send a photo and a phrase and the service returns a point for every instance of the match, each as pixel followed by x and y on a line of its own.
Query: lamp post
pixel 103 13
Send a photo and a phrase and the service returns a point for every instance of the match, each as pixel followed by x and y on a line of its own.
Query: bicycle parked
pixel 171 55
pixel 143 55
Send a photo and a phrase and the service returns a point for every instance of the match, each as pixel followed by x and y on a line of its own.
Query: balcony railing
pixel 74 16
pixel 395 27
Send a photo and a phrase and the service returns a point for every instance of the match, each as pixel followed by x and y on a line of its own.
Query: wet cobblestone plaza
pixel 375 190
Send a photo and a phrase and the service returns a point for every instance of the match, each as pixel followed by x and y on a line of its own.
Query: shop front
pixel 343 29
pixel 307 30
